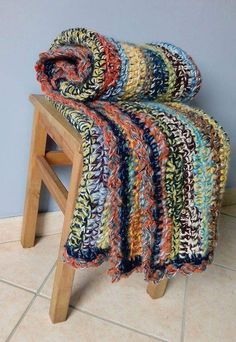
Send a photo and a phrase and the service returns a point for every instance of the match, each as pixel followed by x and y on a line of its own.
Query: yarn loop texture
pixel 154 168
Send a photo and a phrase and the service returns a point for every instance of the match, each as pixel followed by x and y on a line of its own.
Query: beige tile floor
pixel 199 308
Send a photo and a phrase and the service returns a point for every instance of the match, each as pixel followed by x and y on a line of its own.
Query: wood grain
pixel 157 291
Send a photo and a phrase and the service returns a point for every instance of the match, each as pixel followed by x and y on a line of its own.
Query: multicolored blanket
pixel 84 65
pixel 153 173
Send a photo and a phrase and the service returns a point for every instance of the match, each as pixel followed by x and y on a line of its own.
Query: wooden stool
pixel 48 121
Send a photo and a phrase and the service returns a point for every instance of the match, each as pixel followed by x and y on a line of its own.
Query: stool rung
pixel 57 158
pixel 53 183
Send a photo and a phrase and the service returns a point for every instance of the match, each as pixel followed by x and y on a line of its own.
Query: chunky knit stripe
pixel 166 221
pixel 153 173
pixel 86 65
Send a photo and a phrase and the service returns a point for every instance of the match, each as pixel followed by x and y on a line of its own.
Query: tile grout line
pixel 8 241
pixel 30 304
pixel 119 324
pixel 37 293
pixel 229 205
pixel 37 237
pixel 17 286
pixel 21 318
pixel 184 310
pixel 228 215
pixel 224 267
pixel 108 321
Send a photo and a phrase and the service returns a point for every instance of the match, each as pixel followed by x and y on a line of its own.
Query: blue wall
pixel 205 28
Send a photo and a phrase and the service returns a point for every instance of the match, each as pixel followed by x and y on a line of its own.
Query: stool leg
pixel 38 146
pixel 157 291
pixel 64 276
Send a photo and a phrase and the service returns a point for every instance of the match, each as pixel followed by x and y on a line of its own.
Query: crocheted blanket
pixel 84 65
pixel 153 173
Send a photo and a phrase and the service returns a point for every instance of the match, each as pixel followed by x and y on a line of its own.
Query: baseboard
pixel 48 224
pixel 229 196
